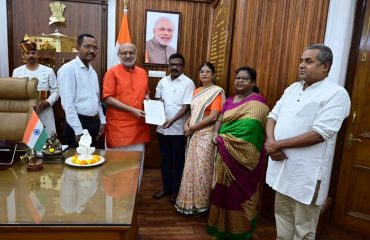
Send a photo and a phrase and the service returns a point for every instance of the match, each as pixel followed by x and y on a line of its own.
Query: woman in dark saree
pixel 239 135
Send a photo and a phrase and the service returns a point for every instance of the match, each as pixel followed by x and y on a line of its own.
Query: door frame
pixel 349 82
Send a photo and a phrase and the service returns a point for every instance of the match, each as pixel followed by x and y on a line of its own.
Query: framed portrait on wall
pixel 162 33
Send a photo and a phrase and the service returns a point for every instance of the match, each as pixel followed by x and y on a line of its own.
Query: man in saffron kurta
pixel 125 86
pixel 128 86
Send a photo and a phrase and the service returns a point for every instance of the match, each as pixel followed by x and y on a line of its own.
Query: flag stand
pixel 33 163
pixel 35 166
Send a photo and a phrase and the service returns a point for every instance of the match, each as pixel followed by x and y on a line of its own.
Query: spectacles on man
pixel 88 47
pixel 243 79
pixel 126 53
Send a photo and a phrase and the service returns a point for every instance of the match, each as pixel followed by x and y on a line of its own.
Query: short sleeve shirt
pixel 175 93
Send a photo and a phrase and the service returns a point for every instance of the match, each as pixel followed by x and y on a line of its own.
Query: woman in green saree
pixel 239 135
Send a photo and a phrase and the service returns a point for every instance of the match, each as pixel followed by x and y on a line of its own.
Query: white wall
pixel 4 61
pixel 338 36
pixel 111 40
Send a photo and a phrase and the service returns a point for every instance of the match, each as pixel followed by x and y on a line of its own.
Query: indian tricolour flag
pixel 123 37
pixel 35 135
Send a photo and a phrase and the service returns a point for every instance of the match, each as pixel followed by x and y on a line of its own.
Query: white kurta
pixel 322 108
pixel 46 82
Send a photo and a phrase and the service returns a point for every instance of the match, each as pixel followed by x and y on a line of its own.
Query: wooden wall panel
pixel 195 24
pixel 219 43
pixel 270 36
pixel 32 17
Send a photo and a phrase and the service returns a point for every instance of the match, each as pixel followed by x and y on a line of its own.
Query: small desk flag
pixel 35 135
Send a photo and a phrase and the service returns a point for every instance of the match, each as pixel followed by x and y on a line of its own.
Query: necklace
pixel 238 97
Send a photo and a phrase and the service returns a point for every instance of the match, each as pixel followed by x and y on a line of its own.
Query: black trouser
pixel 92 124
pixel 172 150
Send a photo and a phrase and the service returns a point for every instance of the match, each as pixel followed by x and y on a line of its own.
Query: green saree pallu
pixel 239 167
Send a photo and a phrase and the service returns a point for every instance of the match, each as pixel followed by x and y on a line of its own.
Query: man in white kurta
pixel 301 132
pixel 176 92
pixel 46 82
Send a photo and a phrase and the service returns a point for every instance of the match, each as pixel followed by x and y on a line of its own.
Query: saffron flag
pixel 123 37
pixel 35 135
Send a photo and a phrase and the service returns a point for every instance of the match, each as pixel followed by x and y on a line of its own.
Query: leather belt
pixel 96 117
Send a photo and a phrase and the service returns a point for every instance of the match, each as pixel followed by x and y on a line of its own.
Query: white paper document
pixel 154 112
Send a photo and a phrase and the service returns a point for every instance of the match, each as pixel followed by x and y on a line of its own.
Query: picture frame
pixel 162 36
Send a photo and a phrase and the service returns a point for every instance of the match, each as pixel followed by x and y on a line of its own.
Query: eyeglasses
pixel 126 53
pixel 243 79
pixel 88 47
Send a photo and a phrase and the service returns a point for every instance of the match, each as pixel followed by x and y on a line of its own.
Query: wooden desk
pixel 63 202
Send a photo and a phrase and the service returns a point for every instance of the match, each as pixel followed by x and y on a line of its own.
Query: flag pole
pixel 125 6
pixel 123 35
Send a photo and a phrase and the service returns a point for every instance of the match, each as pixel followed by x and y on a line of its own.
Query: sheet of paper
pixel 154 112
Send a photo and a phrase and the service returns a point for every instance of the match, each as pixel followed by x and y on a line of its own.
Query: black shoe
pixel 172 199
pixel 199 214
pixel 161 194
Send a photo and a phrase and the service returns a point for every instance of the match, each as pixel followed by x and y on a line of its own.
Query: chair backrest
pixel 17 98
